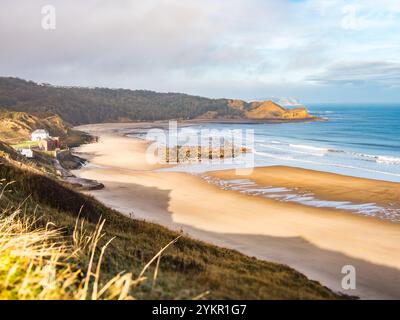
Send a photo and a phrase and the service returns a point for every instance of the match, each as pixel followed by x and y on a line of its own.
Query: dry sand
pixel 315 241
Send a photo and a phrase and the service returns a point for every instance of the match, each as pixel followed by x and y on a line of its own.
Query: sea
pixel 360 140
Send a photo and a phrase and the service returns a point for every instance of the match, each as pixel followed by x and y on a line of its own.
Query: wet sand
pixel 315 241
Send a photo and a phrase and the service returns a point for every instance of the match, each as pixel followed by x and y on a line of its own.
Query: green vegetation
pixel 83 105
pixel 78 105
pixel 25 144
pixel 187 269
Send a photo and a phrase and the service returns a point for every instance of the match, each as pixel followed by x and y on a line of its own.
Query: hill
pixel 16 127
pixel 187 269
pixel 78 105
pixel 272 110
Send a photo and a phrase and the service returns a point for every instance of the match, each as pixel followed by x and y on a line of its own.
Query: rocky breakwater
pixel 193 154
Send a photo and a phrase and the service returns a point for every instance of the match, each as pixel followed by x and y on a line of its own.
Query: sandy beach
pixel 315 241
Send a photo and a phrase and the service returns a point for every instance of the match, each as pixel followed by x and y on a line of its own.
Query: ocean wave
pixel 388 160
pixel 317 154
pixel 273 156
pixel 378 158
pixel 284 194
pixel 371 157
pixel 305 149
pixel 298 146
pixel 320 151
pixel 308 147
pixel 338 165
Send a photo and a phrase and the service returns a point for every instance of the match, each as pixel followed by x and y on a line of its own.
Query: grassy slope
pixel 16 128
pixel 187 269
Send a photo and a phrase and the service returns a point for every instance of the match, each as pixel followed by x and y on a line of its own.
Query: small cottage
pixel 40 134
pixel 47 144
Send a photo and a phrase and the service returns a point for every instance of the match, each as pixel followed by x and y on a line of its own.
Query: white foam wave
pixel 288 195
pixel 307 147
pixel 321 151
pixel 317 154
pixel 378 158
pixel 338 165
pixel 273 156
pixel 388 160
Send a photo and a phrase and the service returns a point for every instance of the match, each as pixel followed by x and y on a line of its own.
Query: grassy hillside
pixel 84 105
pixel 187 269
pixel 16 128
pixel 95 105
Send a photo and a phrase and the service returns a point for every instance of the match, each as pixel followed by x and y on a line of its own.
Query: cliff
pixel 272 110
pixel 259 110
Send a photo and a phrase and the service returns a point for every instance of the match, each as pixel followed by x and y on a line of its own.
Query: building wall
pixel 47 145
pixel 39 136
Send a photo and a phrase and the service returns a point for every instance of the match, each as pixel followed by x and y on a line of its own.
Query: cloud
pixel 360 72
pixel 199 46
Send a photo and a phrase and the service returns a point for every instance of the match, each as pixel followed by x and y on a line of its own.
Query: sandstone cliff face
pixel 259 110
pixel 297 113
pixel 272 110
pixel 237 104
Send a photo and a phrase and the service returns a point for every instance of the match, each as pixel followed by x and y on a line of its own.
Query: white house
pixel 39 134
pixel 26 152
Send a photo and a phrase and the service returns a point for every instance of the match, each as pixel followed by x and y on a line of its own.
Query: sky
pixel 312 50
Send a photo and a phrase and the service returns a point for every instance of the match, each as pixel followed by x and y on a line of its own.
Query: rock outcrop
pixel 271 110
pixel 259 110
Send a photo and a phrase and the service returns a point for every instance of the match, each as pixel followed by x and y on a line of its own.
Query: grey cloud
pixel 137 37
pixel 214 48
pixel 380 72
pixel 96 37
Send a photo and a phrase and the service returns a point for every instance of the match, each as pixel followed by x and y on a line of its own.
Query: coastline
pixel 315 241
pixel 255 121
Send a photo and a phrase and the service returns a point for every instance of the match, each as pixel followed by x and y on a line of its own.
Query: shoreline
pixel 255 121
pixel 314 241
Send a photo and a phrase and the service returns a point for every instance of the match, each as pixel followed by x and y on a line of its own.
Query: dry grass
pixel 42 263
pixel 188 269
